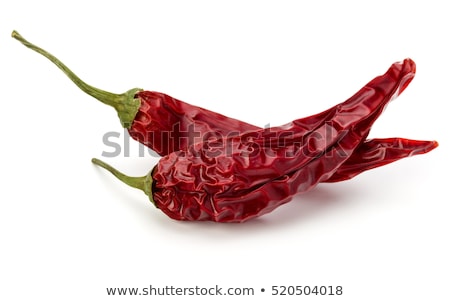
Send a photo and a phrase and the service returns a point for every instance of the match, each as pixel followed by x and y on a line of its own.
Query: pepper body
pixel 243 177
pixel 246 176
pixel 166 124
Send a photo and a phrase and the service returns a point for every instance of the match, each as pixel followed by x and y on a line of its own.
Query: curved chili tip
pixel 375 153
pixel 409 67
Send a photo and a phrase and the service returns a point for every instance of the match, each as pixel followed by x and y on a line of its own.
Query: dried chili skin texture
pixel 378 152
pixel 166 124
pixel 231 182
pixel 244 177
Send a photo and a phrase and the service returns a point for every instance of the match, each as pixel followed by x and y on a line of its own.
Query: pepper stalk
pixel 142 183
pixel 126 104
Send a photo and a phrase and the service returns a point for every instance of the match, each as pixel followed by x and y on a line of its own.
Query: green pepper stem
pixel 125 104
pixel 142 183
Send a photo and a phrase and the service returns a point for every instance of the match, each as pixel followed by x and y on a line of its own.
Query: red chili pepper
pixel 378 152
pixel 166 124
pixel 174 198
pixel 239 178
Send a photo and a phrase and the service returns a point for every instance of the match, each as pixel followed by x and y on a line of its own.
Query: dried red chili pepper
pixel 166 124
pixel 239 205
pixel 239 178
pixel 378 152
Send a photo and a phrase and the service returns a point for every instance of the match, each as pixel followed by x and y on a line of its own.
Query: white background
pixel 68 230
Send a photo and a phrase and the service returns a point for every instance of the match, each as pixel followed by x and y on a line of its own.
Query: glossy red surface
pixel 166 125
pixel 378 152
pixel 239 178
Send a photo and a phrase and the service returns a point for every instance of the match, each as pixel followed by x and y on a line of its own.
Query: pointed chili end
pixel 431 145
pixel 417 147
pixel 409 69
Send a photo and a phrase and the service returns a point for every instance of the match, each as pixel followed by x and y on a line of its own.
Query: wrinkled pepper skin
pixel 243 177
pixel 378 152
pixel 166 124
pixel 218 182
